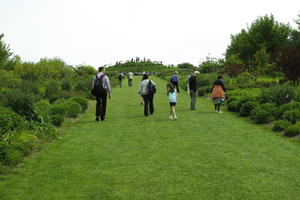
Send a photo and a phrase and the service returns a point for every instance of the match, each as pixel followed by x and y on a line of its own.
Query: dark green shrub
pixel 247 108
pixel 25 142
pixel 82 101
pixel 233 106
pixel 232 98
pixel 43 130
pixel 9 121
pixel 201 91
pixel 9 155
pixel 73 109
pixel 57 120
pixel 260 116
pixel 22 104
pixel 292 116
pixel 272 109
pixel 290 106
pixel 280 125
pixel 292 130
pixel 278 94
pixel 52 88
pixel 42 106
pixel 57 109
pixel 66 85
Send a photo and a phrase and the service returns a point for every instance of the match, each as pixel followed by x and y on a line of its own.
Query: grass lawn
pixel 203 155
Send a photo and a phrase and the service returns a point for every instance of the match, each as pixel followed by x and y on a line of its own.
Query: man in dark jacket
pixel 193 89
pixel 101 86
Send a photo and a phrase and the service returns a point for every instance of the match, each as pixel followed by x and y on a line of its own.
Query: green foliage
pixel 9 121
pixel 4 52
pixel 82 101
pixel 292 116
pixel 247 108
pixel 234 65
pixel 280 125
pixel 233 106
pixel 211 65
pixel 22 103
pixel 265 113
pixel 185 66
pixel 290 106
pixel 278 94
pixel 292 130
pixel 265 35
pixel 73 109
pixel 66 85
pixel 57 109
pixel 57 119
pixel 83 70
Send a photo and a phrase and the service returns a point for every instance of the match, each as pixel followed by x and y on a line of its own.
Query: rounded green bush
pixel 27 142
pixel 57 109
pixel 290 106
pixel 233 106
pixel 247 108
pixel 9 120
pixel 292 116
pixel 292 130
pixel 280 125
pixel 73 109
pixel 57 120
pixel 42 106
pixel 82 101
pixel 232 98
pixel 261 116
pixel 10 156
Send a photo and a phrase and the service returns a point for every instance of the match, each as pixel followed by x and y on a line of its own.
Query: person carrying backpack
pixel 120 78
pixel 147 90
pixel 174 81
pixel 100 89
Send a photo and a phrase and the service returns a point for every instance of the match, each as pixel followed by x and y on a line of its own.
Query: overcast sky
pixel 98 32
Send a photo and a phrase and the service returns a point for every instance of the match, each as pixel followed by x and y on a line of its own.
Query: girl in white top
pixel 172 93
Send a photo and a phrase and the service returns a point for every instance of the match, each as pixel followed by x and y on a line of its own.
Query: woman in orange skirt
pixel 217 94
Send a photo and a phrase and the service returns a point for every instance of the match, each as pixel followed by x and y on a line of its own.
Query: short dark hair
pixel 100 69
pixel 145 76
pixel 220 77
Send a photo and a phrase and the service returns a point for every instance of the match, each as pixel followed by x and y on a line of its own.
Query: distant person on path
pixel 171 92
pixel 217 94
pixel 174 81
pixel 146 90
pixel 130 78
pixel 187 83
pixel 100 88
pixel 120 78
pixel 193 89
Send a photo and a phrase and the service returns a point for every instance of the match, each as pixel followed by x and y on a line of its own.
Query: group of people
pixel 101 89
pixel 129 77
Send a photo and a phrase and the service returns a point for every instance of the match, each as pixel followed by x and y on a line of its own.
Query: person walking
pixel 188 83
pixel 120 78
pixel 146 90
pixel 171 92
pixel 217 94
pixel 100 89
pixel 130 78
pixel 174 81
pixel 193 89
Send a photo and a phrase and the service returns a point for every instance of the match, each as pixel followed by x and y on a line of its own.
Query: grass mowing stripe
pixel 203 155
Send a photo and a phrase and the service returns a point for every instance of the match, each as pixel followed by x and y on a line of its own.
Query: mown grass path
pixel 203 155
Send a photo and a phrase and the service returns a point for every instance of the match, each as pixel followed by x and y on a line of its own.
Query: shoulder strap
pixel 101 77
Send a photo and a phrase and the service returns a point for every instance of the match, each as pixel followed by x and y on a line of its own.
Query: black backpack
pixel 151 87
pixel 98 85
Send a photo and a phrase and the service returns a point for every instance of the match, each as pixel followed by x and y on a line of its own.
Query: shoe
pixel 170 117
pixel 220 112
pixel 175 117
pixel 97 119
pixel 216 111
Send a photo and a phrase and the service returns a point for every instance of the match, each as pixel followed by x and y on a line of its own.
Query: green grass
pixel 203 155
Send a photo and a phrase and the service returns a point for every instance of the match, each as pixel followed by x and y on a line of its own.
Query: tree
pixel 4 53
pixel 263 33
pixel 185 66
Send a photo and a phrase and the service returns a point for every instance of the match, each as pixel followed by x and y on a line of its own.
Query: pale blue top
pixel 173 96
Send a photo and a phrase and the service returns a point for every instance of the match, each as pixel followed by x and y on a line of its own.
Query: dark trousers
pixel 129 82
pixel 175 86
pixel 148 104
pixel 101 99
